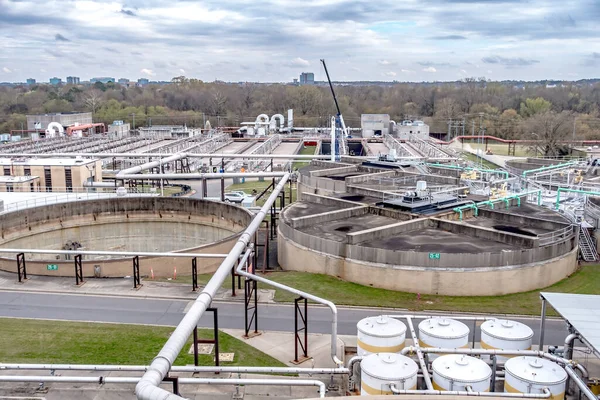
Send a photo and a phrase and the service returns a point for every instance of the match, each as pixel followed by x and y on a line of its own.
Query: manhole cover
pixel 226 357
pixel 202 348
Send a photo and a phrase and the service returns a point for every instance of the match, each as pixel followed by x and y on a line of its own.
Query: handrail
pixel 559 235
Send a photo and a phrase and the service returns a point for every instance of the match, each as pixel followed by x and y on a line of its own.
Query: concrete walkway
pixel 494 159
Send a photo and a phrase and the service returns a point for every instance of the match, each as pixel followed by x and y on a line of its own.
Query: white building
pixel 374 124
pixel 409 130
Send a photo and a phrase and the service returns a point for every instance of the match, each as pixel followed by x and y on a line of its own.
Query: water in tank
pixel 443 332
pixel 380 335
pixel 506 335
pixel 457 371
pixel 380 369
pixel 531 375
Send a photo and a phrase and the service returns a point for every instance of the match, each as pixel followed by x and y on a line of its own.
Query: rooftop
pixel 17 179
pixel 47 161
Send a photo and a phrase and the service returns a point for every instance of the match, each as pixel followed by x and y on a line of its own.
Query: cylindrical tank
pixel 380 335
pixel 502 334
pixel 381 369
pixel 457 371
pixel 443 332
pixel 531 375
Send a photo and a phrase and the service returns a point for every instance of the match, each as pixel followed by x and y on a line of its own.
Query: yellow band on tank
pixel 508 388
pixel 438 387
pixel 374 392
pixel 379 349
pixel 486 346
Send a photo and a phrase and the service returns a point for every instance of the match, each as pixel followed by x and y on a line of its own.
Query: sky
pixel 276 40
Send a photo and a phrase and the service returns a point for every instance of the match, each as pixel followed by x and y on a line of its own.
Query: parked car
pixel 234 197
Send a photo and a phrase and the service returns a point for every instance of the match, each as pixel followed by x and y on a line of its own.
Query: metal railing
pixel 560 235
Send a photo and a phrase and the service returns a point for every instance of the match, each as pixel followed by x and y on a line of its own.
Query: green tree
pixel 535 106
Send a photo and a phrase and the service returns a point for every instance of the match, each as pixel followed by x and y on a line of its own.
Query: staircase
pixel 586 246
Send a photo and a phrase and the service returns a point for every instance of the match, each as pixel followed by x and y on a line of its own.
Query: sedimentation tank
pixel 532 375
pixel 380 335
pixel 380 369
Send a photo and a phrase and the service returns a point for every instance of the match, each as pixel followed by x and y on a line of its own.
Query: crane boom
pixel 331 87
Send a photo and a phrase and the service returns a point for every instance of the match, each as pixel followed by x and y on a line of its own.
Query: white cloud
pixel 298 62
pixel 147 71
pixel 407 71
pixel 429 69
pixel 385 62
pixel 391 74
pixel 462 71
pixel 7 70
pixel 182 70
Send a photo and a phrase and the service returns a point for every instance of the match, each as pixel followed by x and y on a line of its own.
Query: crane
pixel 338 123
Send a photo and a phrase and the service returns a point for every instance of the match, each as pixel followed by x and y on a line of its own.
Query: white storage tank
pixel 443 332
pixel 457 371
pixel 381 369
pixel 531 375
pixel 380 335
pixel 502 334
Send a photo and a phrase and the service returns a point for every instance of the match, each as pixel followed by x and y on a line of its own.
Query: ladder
pixel 586 246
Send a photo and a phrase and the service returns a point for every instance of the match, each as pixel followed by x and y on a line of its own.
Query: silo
pixel 457 371
pixel 380 335
pixel 502 334
pixel 381 369
pixel 532 375
pixel 443 332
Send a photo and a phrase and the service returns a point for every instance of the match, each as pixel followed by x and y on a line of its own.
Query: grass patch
pixel 305 151
pixel 479 161
pixel 57 342
pixel 501 149
pixel 584 281
pixel 167 190
pixel 249 186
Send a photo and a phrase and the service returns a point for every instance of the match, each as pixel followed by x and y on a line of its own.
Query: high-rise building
pixel 307 78
pixel 102 79
pixel 143 81
pixel 55 81
pixel 73 80
pixel 123 81
pixel 31 81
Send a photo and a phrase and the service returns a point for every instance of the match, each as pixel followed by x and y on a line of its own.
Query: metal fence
pixel 560 235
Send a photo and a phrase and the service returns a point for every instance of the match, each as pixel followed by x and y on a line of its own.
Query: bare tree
pixel 549 130
pixel 93 100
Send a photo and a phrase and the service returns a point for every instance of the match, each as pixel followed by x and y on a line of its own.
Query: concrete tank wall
pixel 179 216
pixel 443 281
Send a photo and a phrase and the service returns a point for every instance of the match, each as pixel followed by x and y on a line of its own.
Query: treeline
pixel 499 109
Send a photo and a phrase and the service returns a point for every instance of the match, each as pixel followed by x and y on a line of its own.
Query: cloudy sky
pixel 273 41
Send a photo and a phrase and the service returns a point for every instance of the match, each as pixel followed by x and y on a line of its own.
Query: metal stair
pixel 586 246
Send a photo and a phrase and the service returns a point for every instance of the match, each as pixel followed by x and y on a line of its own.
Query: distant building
pixel 19 183
pixel 31 81
pixel 55 81
pixel 409 130
pixel 143 82
pixel 73 80
pixel 123 81
pixel 295 82
pixel 102 79
pixel 118 128
pixel 50 174
pixel 41 121
pixel 374 124
pixel 307 78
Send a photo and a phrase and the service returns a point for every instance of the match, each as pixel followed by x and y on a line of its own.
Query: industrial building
pixel 55 174
pixel 374 124
pixel 41 121
pixel 19 183
pixel 119 129
pixel 409 130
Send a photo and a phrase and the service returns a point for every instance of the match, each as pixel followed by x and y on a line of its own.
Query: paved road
pixel 272 317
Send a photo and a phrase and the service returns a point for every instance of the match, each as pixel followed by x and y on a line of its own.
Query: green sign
pixel 52 267
pixel 434 256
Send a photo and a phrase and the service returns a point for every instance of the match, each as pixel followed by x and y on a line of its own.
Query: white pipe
pixel 101 184
pixel 146 155
pixel 582 386
pixel 144 368
pixel 332 139
pixel 281 121
pixel 151 164
pixel 114 253
pixel 148 387
pixel 184 381
pixel 417 348
pixel 208 175
pixel 545 395
pixel 308 296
